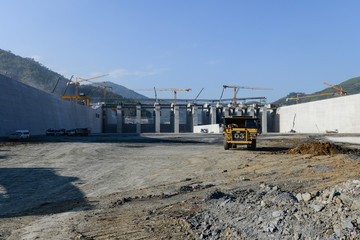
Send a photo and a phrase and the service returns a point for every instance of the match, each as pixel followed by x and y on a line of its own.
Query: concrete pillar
pixel 195 115
pixel 226 111
pixel 264 120
pixel 119 117
pixel 212 115
pixel 252 112
pixel 157 118
pixel 176 119
pixel 138 118
pixel 238 111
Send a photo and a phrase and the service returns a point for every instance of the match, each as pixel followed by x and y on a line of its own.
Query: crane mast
pixel 174 90
pixel 236 88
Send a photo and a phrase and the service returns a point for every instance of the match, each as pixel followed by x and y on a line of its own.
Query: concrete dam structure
pixel 340 114
pixel 25 107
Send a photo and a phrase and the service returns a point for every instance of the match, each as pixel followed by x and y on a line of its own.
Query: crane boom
pixel 340 89
pixel 76 82
pixel 316 95
pixel 236 88
pixel 164 89
pixel 102 85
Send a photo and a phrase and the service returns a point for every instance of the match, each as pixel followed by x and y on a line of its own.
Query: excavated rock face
pixel 270 213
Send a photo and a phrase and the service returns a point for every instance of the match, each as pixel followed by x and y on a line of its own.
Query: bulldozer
pixel 241 130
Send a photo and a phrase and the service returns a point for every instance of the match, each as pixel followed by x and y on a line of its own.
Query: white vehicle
pixel 20 134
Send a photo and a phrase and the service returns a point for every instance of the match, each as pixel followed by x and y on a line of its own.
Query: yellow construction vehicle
pixel 241 130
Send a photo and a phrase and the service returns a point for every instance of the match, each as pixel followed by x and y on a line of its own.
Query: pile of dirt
pixel 317 149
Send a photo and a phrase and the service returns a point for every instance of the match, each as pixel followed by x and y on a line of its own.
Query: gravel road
pixel 155 186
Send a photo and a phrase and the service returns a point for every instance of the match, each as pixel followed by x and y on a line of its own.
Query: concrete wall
pixel 24 107
pixel 341 113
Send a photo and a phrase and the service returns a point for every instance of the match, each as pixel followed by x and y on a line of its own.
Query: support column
pixel 226 111
pixel 195 116
pixel 176 119
pixel 252 112
pixel 238 111
pixel 213 115
pixel 119 118
pixel 264 120
pixel 138 119
pixel 157 118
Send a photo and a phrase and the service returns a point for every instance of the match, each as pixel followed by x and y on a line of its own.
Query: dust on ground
pixel 175 186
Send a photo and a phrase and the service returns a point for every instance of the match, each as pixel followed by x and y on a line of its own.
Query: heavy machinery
pixel 80 79
pixel 236 89
pixel 342 92
pixel 316 95
pixel 104 87
pixel 241 130
pixel 164 89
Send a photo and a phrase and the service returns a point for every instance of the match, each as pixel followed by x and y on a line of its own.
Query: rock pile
pixel 320 148
pixel 270 213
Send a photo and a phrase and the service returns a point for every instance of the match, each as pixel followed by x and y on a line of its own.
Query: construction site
pixel 178 168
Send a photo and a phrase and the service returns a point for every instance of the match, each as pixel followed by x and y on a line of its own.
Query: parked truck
pixel 240 130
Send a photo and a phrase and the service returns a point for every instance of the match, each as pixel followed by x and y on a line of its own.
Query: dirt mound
pixel 317 149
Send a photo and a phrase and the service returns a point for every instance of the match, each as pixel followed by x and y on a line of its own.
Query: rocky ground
pixel 179 187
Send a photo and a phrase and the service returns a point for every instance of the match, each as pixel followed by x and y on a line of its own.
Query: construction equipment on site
pixel 163 89
pixel 80 79
pixel 236 89
pixel 342 92
pixel 104 87
pixel 315 95
pixel 241 130
pixel 78 97
pixel 198 95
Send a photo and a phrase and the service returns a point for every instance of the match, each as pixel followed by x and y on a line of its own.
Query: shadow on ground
pixel 38 191
pixel 261 149
pixel 120 138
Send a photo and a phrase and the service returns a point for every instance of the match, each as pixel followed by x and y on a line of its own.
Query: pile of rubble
pixel 270 213
pixel 320 148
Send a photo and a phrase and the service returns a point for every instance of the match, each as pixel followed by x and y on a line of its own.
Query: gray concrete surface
pixel 341 113
pixel 25 107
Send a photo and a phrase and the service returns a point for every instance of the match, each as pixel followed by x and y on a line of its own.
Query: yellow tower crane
pixel 79 79
pixel 102 85
pixel 316 95
pixel 342 92
pixel 236 88
pixel 164 89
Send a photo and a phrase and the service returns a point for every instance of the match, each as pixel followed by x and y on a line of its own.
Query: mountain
pixel 96 94
pixel 33 73
pixel 30 72
pixel 351 86
pixel 123 91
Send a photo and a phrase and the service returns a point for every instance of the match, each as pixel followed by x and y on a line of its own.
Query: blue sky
pixel 290 46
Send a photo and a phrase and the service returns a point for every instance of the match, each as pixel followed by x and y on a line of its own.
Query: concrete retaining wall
pixel 24 107
pixel 341 113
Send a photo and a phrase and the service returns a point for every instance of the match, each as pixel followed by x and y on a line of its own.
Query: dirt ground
pixel 145 187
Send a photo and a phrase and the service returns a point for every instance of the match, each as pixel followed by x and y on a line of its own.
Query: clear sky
pixel 290 46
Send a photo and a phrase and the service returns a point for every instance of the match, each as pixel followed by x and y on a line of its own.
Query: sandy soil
pixel 136 187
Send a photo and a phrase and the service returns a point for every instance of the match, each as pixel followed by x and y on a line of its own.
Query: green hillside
pixel 96 95
pixel 30 72
pixel 351 86
pixel 33 73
